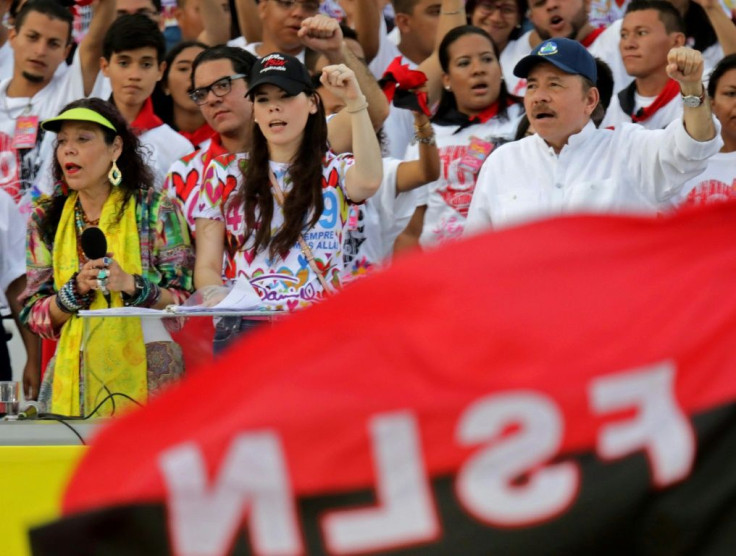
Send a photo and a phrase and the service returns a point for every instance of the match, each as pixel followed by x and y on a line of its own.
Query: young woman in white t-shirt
pixel 243 216
pixel 474 116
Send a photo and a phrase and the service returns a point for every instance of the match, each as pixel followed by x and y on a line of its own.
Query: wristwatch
pixel 692 101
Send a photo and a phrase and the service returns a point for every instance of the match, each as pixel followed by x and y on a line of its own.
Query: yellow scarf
pixel 114 352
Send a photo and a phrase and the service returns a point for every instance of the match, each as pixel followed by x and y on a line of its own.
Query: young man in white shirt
pixel 550 19
pixel 569 166
pixel 133 61
pixel 40 43
pixel 421 24
pixel 649 31
pixel 708 28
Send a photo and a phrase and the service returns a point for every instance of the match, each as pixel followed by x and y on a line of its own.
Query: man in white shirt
pixel 550 19
pixel 417 22
pixel 650 29
pixel 569 166
pixel 708 28
pixel 133 61
pixel 421 24
pixel 40 43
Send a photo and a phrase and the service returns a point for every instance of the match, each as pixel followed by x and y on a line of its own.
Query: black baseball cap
pixel 281 70
pixel 568 55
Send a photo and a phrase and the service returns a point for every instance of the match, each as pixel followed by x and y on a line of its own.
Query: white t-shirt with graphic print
pixel 716 184
pixel 448 198
pixel 285 282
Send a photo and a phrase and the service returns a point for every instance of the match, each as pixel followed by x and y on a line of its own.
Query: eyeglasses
pixel 220 88
pixel 488 8
pixel 308 6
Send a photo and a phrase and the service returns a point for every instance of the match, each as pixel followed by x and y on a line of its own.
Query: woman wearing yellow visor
pixel 102 182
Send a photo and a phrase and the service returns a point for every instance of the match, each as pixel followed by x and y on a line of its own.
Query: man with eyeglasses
pixel 219 84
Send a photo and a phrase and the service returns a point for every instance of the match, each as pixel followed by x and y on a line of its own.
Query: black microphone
pixel 94 246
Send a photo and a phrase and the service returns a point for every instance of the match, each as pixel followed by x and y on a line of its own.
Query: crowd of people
pixel 318 142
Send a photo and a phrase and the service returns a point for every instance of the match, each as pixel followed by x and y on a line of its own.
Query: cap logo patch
pixel 273 62
pixel 548 49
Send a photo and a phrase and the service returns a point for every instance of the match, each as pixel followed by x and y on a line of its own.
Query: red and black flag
pixel 566 387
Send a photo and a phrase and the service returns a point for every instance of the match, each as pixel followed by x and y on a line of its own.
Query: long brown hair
pixel 303 204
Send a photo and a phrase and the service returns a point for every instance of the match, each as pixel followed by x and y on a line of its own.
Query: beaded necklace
pixel 80 223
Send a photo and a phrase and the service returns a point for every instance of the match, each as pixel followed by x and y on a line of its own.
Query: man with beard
pixel 40 41
pixel 551 19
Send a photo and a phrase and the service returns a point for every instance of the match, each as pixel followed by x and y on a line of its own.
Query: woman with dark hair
pixel 474 116
pixel 102 182
pixel 279 213
pixel 717 183
pixel 501 19
pixel 171 101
